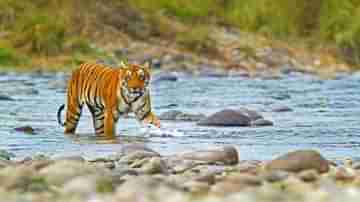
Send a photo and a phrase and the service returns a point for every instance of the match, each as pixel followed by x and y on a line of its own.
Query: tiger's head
pixel 135 80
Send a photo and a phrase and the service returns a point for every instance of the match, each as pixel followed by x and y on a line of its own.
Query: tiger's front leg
pixel 109 123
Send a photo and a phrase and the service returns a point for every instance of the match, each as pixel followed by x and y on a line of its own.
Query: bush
pixel 8 56
pixel 45 35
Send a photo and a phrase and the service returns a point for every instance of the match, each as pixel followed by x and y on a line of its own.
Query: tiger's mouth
pixel 136 92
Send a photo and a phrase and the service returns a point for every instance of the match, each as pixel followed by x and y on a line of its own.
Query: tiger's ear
pixel 147 64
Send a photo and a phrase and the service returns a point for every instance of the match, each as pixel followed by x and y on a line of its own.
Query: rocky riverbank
pixel 138 173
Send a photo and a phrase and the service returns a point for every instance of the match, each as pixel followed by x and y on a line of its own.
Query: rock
pixel 175 115
pixel 25 129
pixel 281 108
pixel 208 178
pixel 154 165
pixel 165 76
pixel 262 122
pixel 275 176
pixel 6 155
pixel 6 98
pixel 308 175
pixel 344 175
pixel 179 165
pixel 109 165
pixel 127 149
pixel 146 187
pixel 60 172
pixel 235 184
pixel 356 166
pixel 196 187
pixel 243 179
pixel 227 155
pixel 20 178
pixel 81 185
pixel 226 117
pixel 298 161
pixel 130 153
pixel 252 114
pixel 39 164
pixel 138 155
pixel 88 185
pixel 69 158
pixel 5 163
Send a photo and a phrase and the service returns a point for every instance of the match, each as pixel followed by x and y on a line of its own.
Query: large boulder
pixel 227 117
pixel 298 161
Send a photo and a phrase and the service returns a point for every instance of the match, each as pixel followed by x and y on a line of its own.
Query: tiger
pixel 108 93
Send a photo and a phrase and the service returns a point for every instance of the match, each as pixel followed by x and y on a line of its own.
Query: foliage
pixel 55 27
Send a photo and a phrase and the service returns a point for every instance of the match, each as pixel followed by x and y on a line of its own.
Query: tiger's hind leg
pixel 73 114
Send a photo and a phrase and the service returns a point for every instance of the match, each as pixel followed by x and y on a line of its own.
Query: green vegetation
pixel 51 28
pixel 324 21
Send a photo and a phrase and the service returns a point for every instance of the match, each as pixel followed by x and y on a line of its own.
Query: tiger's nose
pixel 135 90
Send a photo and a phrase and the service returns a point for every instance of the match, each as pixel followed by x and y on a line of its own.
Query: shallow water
pixel 325 116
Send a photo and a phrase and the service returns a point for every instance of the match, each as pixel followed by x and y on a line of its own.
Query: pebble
pixel 25 129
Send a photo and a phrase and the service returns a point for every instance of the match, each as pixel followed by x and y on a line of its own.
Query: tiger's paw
pixel 152 119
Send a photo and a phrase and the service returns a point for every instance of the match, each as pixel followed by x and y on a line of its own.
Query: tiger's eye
pixel 128 75
pixel 141 75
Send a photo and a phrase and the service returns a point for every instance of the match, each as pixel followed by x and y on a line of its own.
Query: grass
pixel 53 28
pixel 331 21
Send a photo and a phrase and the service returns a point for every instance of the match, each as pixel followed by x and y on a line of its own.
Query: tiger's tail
pixel 59 115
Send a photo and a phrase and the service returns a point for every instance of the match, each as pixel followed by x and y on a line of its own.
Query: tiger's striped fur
pixel 108 93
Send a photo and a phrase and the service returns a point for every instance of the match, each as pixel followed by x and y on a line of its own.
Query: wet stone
pixel 252 114
pixel 25 129
pixel 227 117
pixel 262 122
pixel 281 108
